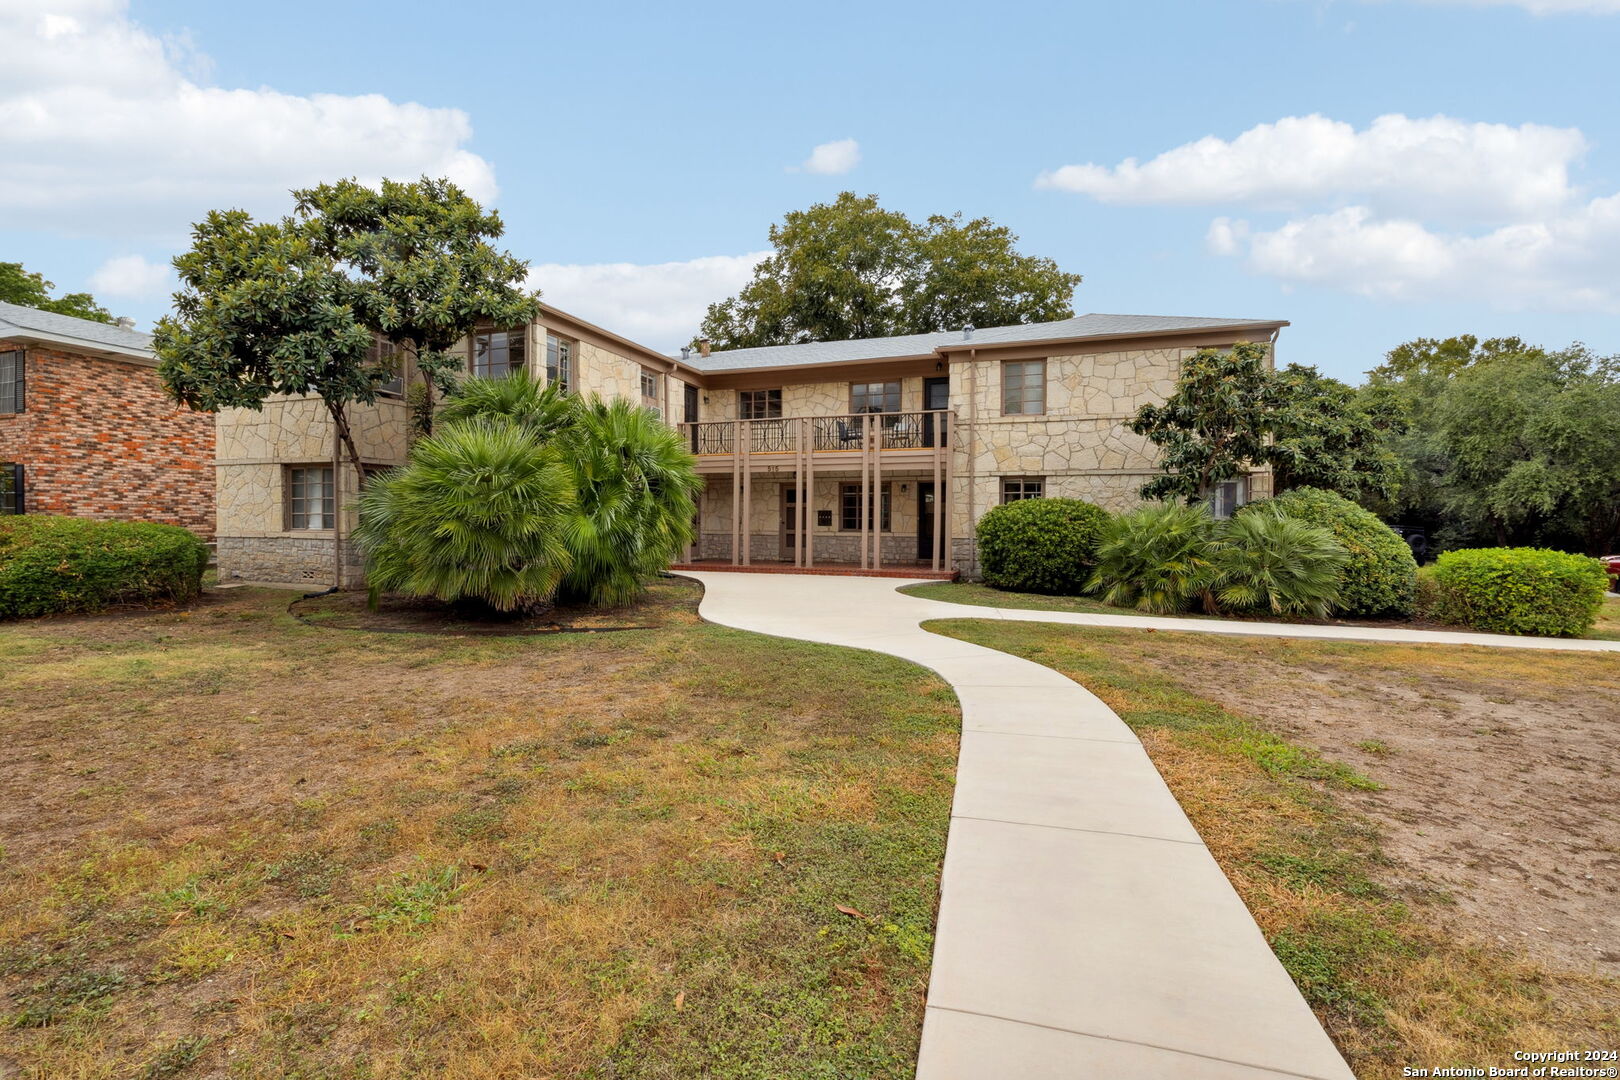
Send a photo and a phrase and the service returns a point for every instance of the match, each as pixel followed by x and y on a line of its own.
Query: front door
pixel 790 523
pixel 925 521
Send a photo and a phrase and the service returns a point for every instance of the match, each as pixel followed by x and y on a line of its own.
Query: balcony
pixel 902 438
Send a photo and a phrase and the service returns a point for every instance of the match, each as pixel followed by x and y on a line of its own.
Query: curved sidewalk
pixel 1084 929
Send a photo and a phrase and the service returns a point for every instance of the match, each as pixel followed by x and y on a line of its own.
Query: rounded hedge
pixel 1520 590
pixel 50 564
pixel 1041 545
pixel 1381 576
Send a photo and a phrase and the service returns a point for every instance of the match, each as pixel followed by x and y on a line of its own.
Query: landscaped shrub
pixel 1157 558
pixel 1520 590
pixel 525 494
pixel 63 564
pixel 1041 545
pixel 636 483
pixel 1380 577
pixel 1270 562
pixel 1429 601
pixel 479 513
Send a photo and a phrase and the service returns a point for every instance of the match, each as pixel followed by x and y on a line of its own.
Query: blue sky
pixel 639 152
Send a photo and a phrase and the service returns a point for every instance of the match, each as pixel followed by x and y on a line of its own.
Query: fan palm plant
pixel 481 512
pixel 636 484
pixel 541 409
pixel 1157 558
pixel 1267 560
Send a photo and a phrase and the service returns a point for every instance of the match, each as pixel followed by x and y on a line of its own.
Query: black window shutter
pixel 17 471
pixel 11 488
pixel 13 365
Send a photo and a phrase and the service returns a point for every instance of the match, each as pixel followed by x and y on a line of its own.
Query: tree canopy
pixel 852 269
pixel 1230 413
pixel 19 286
pixel 1508 443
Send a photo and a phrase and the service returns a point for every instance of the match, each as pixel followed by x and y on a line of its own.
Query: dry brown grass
pixel 240 845
pixel 1248 733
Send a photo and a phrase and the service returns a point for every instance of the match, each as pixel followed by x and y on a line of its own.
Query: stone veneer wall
pixel 98 438
pixel 254 449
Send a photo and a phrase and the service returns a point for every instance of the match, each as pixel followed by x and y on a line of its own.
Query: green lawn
pixel 238 844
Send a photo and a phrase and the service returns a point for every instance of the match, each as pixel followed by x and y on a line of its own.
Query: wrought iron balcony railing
pixel 852 432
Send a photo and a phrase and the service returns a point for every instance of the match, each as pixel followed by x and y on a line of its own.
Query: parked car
pixel 1611 563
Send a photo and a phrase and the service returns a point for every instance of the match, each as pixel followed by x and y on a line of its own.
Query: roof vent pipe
pixel 967 332
pixel 126 323
pixel 686 353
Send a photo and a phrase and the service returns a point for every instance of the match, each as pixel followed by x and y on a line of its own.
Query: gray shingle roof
pixel 31 324
pixel 885 348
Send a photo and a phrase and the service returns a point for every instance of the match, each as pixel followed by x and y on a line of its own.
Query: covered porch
pixel 864 493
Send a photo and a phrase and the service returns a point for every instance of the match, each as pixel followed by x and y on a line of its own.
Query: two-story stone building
pixel 873 454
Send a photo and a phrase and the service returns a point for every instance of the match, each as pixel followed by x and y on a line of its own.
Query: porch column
pixel 949 484
pixel 877 491
pixel 866 491
pixel 736 495
pixel 939 490
pixel 809 540
pixel 745 435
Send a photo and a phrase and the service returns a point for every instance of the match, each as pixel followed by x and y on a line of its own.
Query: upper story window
pixel 1014 488
pixel 1023 387
pixel 310 497
pixel 498 352
pixel 877 397
pixel 559 361
pixel 13 373
pixel 649 385
pixel 385 354
pixel 759 404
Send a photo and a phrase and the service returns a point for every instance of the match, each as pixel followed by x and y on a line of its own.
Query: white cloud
pixel 831 158
pixel 1435 165
pixel 659 304
pixel 130 276
pixel 1567 262
pixel 105 129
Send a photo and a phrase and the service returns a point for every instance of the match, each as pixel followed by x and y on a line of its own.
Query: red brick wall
pixel 99 439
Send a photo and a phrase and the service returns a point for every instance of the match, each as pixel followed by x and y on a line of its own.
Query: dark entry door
pixel 936 397
pixel 691 404
pixel 790 523
pixel 925 521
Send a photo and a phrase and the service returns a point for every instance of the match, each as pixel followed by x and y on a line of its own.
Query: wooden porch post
pixel 939 493
pixel 866 494
pixel 809 540
pixel 877 491
pixel 736 496
pixel 949 485
pixel 745 435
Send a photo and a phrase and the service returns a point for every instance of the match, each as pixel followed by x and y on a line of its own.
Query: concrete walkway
pixel 1084 928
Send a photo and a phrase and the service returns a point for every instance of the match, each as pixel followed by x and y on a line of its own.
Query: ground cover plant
pixel 236 844
pixel 62 564
pixel 1431 924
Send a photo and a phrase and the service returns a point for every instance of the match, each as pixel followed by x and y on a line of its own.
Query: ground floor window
pixel 849 502
pixel 310 497
pixel 1014 488
pixel 1224 498
pixel 11 488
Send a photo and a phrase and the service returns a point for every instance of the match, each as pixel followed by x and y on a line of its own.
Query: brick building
pixel 86 430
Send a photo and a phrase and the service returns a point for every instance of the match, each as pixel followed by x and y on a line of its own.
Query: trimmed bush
pixel 1157 558
pixel 1269 562
pixel 1041 545
pixel 1380 578
pixel 50 565
pixel 1520 590
pixel 1428 604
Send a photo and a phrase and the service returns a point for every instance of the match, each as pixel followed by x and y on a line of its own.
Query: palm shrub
pixel 481 512
pixel 1268 561
pixel 1157 558
pixel 636 485
pixel 1380 576
pixel 1040 545
pixel 542 409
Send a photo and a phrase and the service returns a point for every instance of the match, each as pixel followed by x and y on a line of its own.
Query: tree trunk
pixel 345 439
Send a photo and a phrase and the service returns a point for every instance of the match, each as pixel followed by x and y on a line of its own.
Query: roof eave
pixel 100 349
pixel 969 343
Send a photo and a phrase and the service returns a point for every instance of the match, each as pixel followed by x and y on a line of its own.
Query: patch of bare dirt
pixel 1501 782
